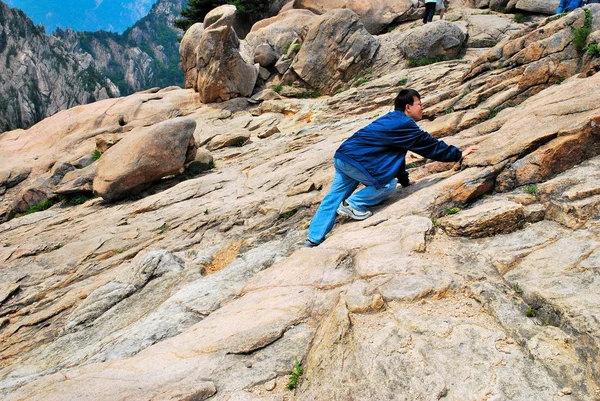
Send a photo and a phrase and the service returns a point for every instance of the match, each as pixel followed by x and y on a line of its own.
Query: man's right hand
pixel 470 150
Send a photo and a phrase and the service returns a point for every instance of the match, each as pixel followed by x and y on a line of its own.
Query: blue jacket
pixel 379 149
pixel 569 5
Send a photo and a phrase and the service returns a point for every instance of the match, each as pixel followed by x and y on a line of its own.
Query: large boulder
pixel 144 155
pixel 438 39
pixel 336 49
pixel 279 31
pixel 487 30
pixel 547 7
pixel 376 16
pixel 187 52
pixel 224 67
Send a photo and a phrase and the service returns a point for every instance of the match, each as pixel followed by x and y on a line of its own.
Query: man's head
pixel 409 101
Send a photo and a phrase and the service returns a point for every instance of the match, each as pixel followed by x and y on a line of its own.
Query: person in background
pixel 429 10
pixel 441 7
pixel 375 157
pixel 569 5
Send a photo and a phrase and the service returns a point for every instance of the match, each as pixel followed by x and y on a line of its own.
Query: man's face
pixel 416 110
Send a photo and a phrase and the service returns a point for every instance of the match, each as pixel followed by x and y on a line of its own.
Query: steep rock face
pixel 40 76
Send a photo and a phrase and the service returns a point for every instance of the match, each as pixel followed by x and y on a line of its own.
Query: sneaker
pixel 347 210
pixel 309 244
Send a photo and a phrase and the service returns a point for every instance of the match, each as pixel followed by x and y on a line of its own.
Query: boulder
pixel 187 52
pixel 225 68
pixel 144 155
pixel 437 39
pixel 547 7
pixel 375 16
pixel 11 177
pixel 79 180
pixel 202 162
pixel 485 220
pixel 32 195
pixel 280 31
pixel 236 137
pixel 265 55
pixel 489 30
pixel 337 48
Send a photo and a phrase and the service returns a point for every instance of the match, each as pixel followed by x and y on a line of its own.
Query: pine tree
pixel 196 10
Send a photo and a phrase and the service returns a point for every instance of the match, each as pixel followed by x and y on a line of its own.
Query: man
pixel 569 5
pixel 375 156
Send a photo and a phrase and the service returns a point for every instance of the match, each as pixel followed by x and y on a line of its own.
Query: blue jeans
pixel 346 179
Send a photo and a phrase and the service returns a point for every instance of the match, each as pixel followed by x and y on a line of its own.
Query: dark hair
pixel 405 96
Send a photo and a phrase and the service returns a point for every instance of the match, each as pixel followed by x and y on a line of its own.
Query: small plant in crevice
pixel 555 17
pixel 519 18
pixel 420 62
pixel 7 244
pixel 493 113
pixel 363 80
pixel 206 212
pixel 402 82
pixel 435 222
pixel 452 210
pixel 162 229
pixel 297 47
pixel 531 189
pixel 295 375
pixel 96 154
pixel 592 49
pixel 449 110
pixel 286 47
pixel 212 165
pixel 46 204
pixel 580 35
pixel 412 165
pixel 277 88
pixel 530 312
pixel 288 214
pixel 517 289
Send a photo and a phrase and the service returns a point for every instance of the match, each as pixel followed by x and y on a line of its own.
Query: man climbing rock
pixel 375 156
pixel 569 5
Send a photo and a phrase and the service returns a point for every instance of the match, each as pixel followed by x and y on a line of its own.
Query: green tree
pixel 196 10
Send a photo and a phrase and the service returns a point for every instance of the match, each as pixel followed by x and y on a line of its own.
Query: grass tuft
pixel 295 375
pixel 530 189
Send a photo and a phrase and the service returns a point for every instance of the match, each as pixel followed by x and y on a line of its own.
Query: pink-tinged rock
pixel 144 155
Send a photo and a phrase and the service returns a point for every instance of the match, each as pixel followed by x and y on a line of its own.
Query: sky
pixel 84 15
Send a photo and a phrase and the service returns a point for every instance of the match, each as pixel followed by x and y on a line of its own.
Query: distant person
pixel 569 5
pixel 441 7
pixel 375 157
pixel 429 10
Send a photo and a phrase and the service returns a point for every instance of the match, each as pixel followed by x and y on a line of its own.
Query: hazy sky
pixel 84 15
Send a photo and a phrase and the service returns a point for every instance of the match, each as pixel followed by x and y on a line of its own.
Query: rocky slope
pixel 479 281
pixel 39 76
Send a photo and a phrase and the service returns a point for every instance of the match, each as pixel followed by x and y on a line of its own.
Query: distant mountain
pixel 84 15
pixel 144 56
pixel 42 74
pixel 39 76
